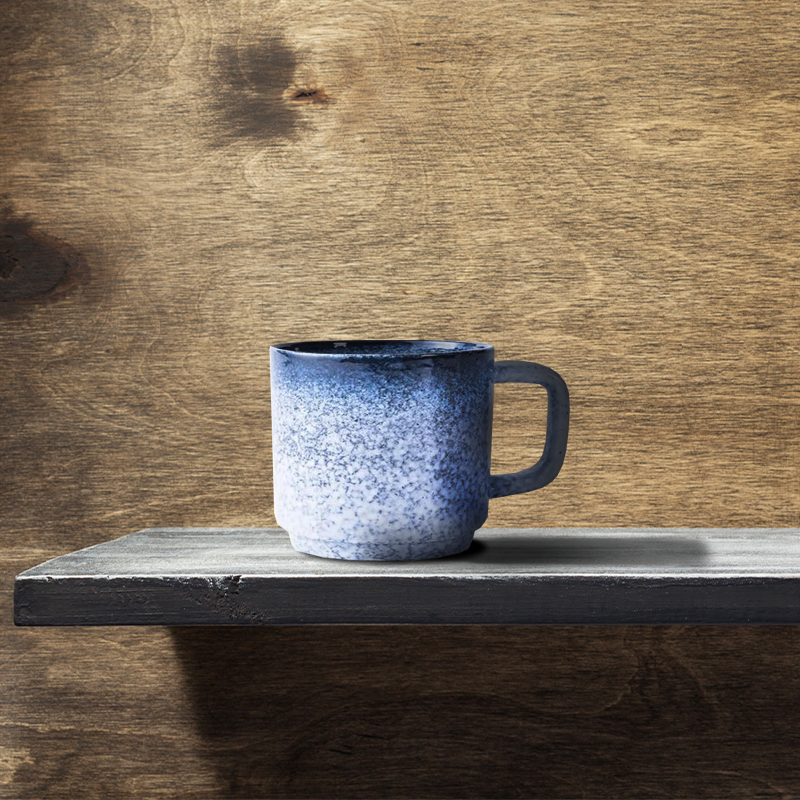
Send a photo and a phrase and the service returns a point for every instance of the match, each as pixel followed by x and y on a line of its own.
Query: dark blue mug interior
pixel 382 348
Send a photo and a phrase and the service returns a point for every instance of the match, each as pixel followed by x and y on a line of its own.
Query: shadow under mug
pixel 382 448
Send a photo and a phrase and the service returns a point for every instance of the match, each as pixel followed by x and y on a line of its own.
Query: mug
pixel 381 448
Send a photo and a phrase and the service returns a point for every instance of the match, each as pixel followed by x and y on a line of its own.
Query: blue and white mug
pixel 381 449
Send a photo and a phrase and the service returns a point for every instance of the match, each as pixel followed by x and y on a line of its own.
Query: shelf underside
pixel 533 576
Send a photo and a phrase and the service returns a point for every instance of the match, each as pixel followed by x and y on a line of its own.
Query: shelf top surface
pixel 514 552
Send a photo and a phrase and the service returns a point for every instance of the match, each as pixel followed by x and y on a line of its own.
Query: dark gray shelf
pixel 534 576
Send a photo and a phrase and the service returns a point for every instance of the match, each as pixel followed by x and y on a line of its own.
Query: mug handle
pixel 555 444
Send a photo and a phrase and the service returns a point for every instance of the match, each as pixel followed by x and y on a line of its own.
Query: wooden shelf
pixel 535 576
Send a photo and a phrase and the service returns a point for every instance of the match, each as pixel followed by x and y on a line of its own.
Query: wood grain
pixel 360 711
pixel 611 190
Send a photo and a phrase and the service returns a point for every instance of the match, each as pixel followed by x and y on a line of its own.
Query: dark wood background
pixel 611 189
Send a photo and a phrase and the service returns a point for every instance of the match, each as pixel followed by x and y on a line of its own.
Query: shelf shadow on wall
pixel 405 711
pixel 394 711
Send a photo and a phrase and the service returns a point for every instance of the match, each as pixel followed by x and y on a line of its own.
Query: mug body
pixel 381 449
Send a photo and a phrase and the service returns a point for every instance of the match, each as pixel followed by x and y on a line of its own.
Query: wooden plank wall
pixel 608 188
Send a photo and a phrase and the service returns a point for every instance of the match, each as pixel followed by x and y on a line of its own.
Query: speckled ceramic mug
pixel 381 449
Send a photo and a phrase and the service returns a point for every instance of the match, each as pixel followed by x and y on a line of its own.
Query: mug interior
pixel 382 347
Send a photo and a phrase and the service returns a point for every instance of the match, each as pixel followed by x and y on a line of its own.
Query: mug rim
pixel 349 348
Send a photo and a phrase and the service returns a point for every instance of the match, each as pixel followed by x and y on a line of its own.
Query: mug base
pixel 380 551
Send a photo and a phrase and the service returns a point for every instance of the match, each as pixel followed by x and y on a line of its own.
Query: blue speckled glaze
pixel 381 450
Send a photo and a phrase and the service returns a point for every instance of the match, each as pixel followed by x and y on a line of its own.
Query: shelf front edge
pixel 415 601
